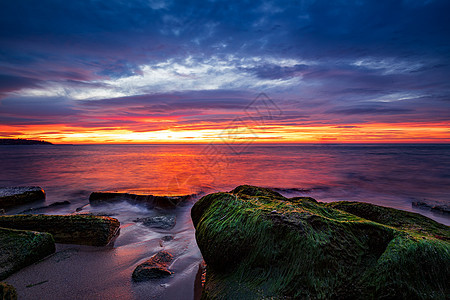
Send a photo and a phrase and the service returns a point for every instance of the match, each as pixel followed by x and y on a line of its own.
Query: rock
pixel 12 196
pixel 154 268
pixel 199 282
pixel 149 200
pixel 100 213
pixel 7 292
pixel 67 229
pixel 312 250
pixel 392 217
pixel 20 248
pixel 167 238
pixel 55 204
pixel 162 222
pixel 437 207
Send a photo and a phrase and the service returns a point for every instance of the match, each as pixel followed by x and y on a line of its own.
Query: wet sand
pixel 83 272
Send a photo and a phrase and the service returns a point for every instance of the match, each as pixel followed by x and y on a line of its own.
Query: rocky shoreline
pixel 28 238
pixel 256 244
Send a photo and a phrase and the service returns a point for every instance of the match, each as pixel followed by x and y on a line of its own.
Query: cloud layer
pixel 96 71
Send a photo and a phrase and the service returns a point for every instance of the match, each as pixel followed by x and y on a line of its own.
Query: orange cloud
pixel 438 132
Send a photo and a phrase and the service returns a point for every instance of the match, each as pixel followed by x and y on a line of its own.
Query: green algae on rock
pixel 259 244
pixel 7 292
pixel 399 219
pixel 13 196
pixel 67 229
pixel 20 248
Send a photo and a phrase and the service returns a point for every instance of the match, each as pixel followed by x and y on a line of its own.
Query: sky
pixel 168 71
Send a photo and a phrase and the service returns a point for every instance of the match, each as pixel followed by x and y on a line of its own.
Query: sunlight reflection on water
pixel 390 175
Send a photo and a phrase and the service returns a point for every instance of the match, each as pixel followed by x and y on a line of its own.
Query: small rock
pixel 167 238
pixel 81 208
pixel 162 222
pixel 153 268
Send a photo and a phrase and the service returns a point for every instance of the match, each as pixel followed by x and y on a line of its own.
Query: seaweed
pixel 259 244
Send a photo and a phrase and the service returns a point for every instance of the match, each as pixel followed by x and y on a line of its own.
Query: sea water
pixel 383 174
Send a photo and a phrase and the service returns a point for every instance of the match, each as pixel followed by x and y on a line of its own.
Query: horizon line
pixel 267 143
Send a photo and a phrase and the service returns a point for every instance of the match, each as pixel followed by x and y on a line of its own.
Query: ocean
pixel 383 174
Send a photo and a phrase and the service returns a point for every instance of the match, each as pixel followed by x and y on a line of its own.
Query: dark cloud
pixel 129 33
pixel 171 102
pixel 37 107
pixel 371 111
pixel 9 83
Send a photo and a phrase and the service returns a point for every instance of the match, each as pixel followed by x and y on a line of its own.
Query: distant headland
pixel 23 142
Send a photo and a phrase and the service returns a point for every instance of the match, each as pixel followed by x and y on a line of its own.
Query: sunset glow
pixel 371 133
pixel 155 77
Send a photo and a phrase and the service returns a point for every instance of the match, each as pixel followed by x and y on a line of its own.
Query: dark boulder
pixel 67 229
pixel 13 196
pixel 154 268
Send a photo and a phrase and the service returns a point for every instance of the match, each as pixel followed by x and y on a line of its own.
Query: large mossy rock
pixel 259 244
pixel 67 229
pixel 12 196
pixel 7 292
pixel 20 248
